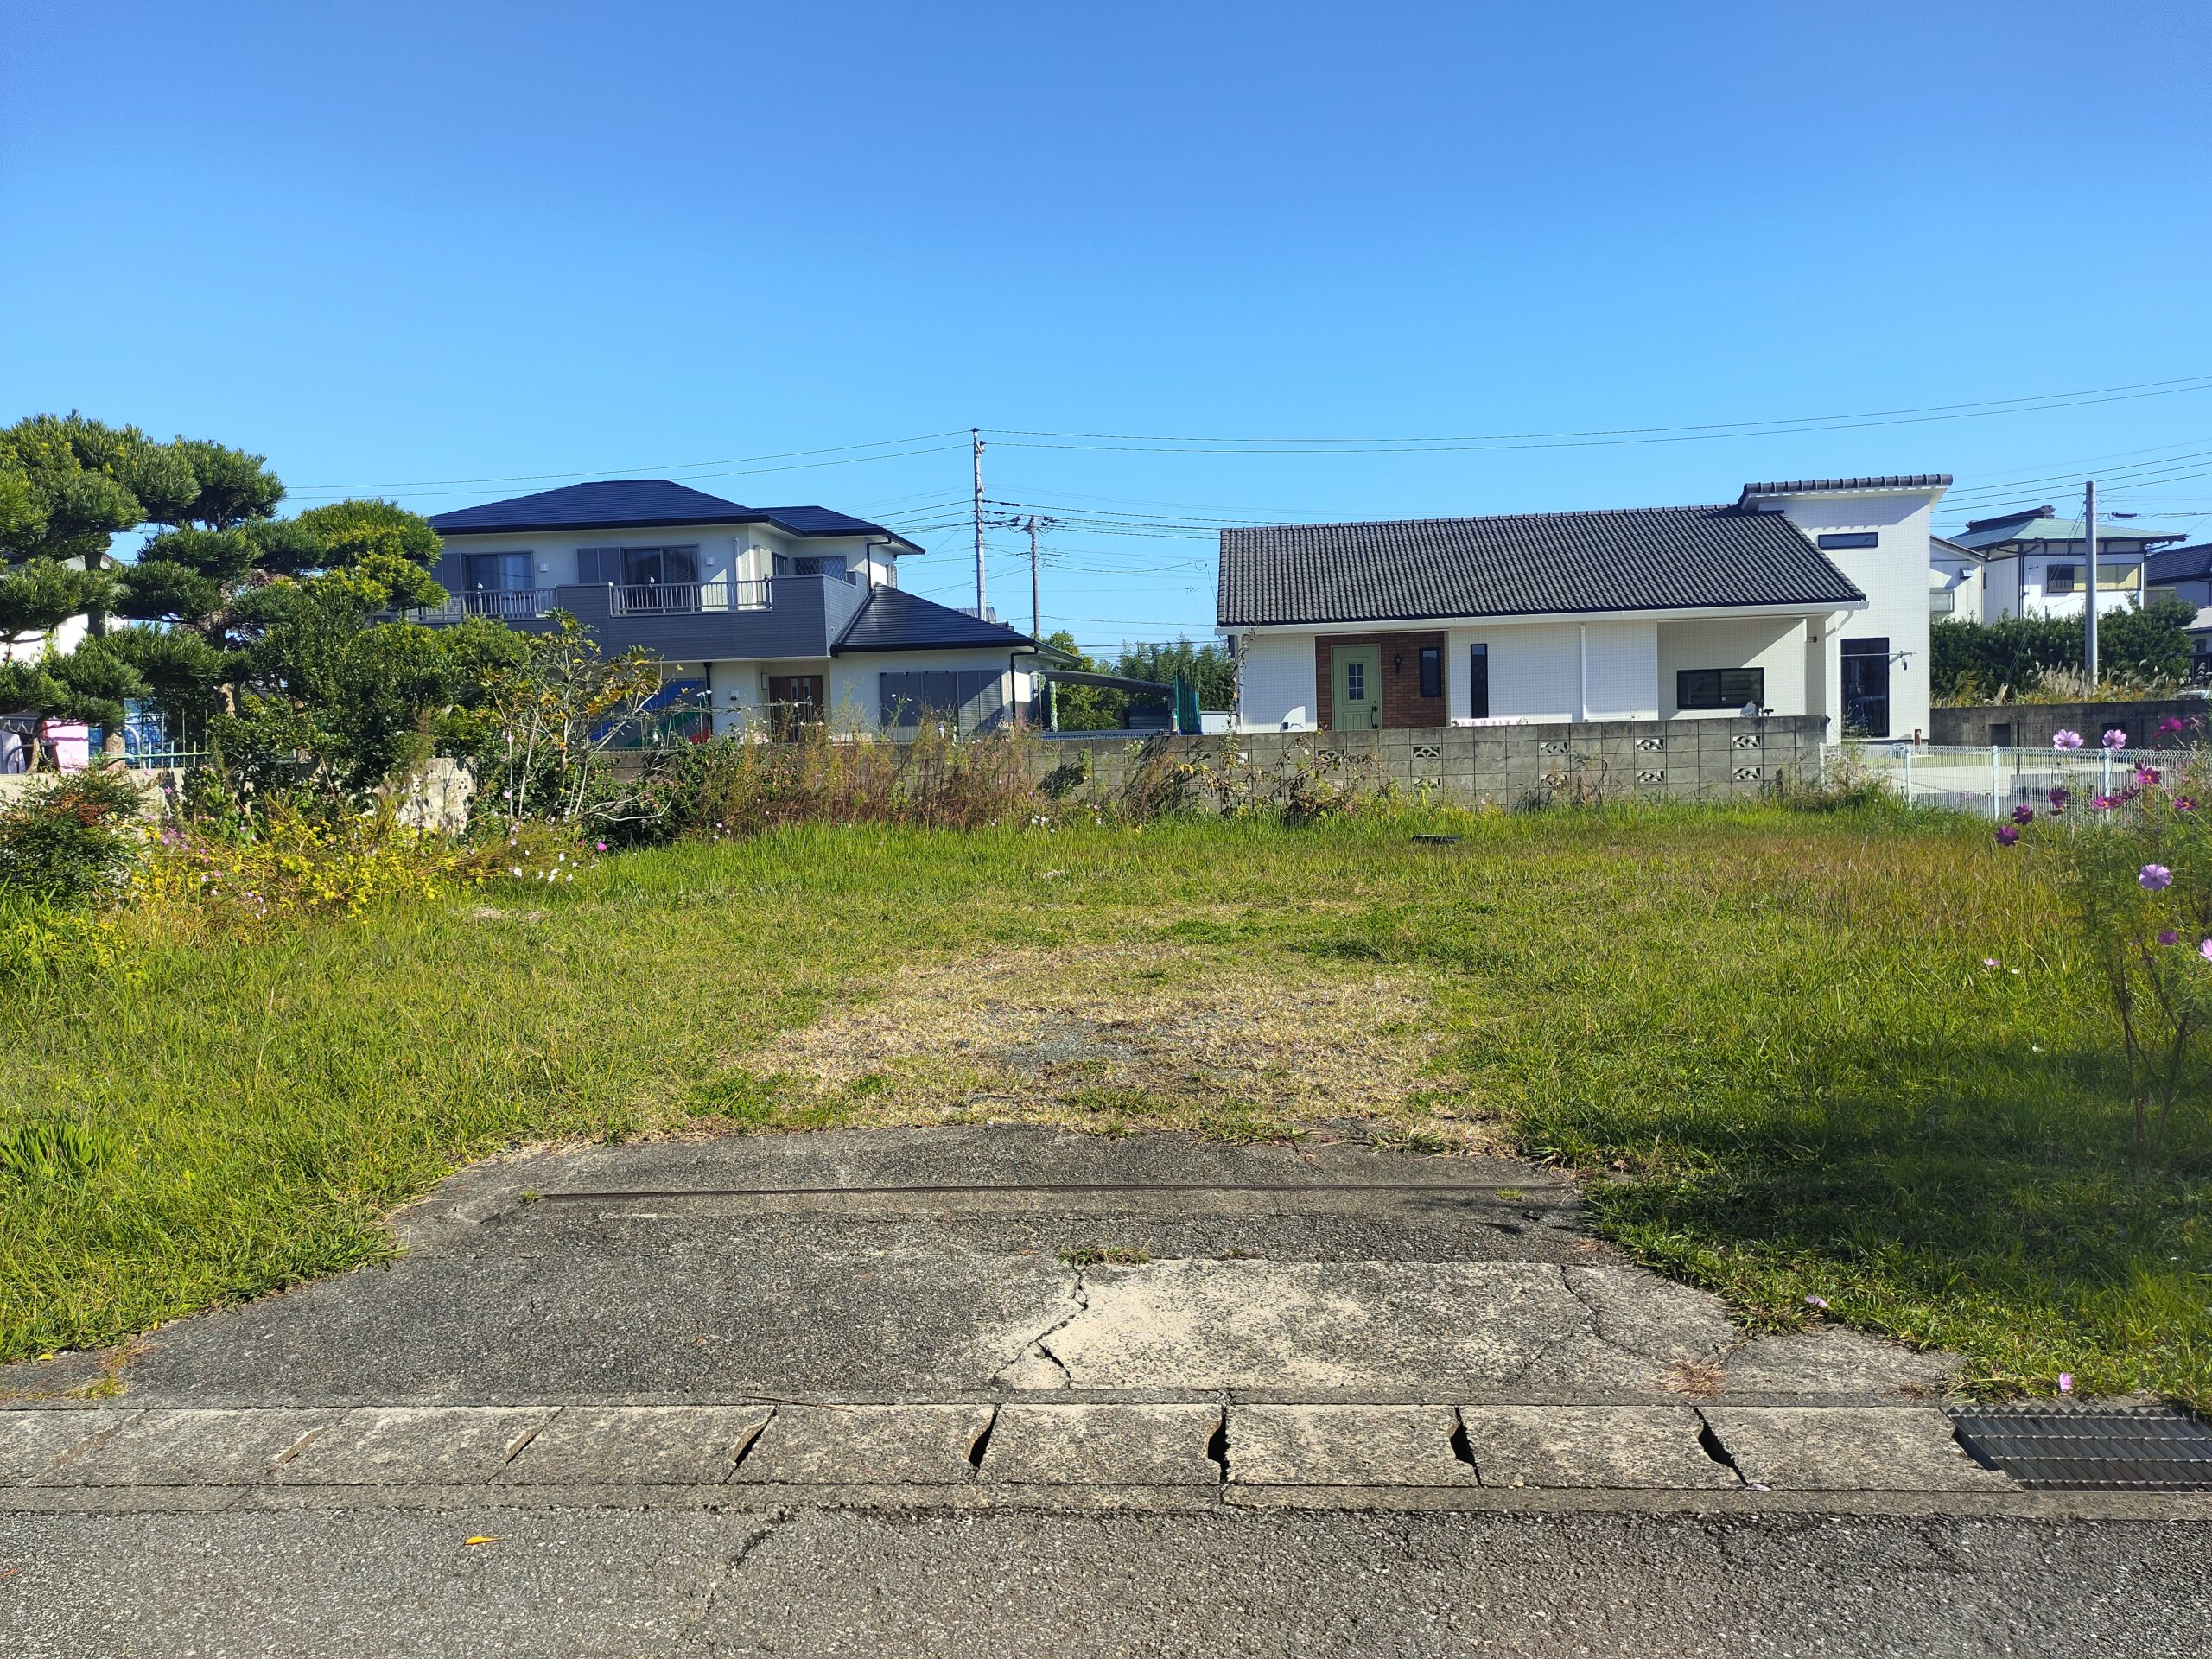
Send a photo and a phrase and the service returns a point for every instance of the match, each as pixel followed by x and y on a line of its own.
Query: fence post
pixel 2104 774
pixel 1907 777
pixel 1993 812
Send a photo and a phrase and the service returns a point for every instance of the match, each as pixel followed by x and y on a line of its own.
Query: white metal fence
pixel 1994 781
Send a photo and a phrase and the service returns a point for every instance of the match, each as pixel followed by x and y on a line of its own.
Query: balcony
pixel 782 616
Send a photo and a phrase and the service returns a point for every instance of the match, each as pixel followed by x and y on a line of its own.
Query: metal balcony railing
pixel 686 598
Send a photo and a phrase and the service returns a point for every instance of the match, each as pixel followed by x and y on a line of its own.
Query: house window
pixel 2115 575
pixel 1479 682
pixel 659 567
pixel 496 573
pixel 2059 579
pixel 1836 539
pixel 1719 688
pixel 1432 671
pixel 1356 680
pixel 827 564
pixel 1867 687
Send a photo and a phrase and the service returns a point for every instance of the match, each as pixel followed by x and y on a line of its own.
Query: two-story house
pixel 2032 563
pixel 771 616
pixel 2185 573
pixel 1803 597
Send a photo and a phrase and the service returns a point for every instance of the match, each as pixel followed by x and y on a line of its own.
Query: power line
pixel 651 467
pixel 1775 426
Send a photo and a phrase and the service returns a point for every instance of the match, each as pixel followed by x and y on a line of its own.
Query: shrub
pixel 2144 646
pixel 2136 868
pixel 73 839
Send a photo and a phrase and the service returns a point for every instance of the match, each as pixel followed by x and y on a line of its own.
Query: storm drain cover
pixel 2141 1448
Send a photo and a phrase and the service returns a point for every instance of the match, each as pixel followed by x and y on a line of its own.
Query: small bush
pixel 74 839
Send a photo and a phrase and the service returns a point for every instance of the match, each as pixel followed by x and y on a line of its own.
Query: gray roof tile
pixel 1849 485
pixel 1530 564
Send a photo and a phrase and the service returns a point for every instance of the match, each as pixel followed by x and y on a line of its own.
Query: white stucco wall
pixel 1275 689
pixel 1892 573
pixel 1775 643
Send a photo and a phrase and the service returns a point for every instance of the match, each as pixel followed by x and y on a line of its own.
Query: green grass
pixel 1769 1035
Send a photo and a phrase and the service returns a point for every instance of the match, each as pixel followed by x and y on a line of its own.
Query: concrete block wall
pixel 2030 725
pixel 1511 765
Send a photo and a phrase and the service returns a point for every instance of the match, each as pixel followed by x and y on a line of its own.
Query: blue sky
pixel 454 251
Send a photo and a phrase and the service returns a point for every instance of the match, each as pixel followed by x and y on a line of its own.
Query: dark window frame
pixel 1479 682
pixel 1833 540
pixel 633 559
pixel 1432 671
pixel 1703 688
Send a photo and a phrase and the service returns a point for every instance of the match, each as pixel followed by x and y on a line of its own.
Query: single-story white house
pixel 1803 597
pixel 771 616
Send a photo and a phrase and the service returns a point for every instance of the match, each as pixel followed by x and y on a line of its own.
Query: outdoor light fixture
pixel 1397 662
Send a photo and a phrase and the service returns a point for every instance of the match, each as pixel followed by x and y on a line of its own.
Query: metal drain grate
pixel 2139 1448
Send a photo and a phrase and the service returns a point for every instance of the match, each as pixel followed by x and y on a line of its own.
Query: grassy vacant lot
pixel 1772 1034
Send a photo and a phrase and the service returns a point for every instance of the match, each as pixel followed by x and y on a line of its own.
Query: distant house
pixel 2185 573
pixel 2032 563
pixel 778 616
pixel 1806 597
pixel 1954 580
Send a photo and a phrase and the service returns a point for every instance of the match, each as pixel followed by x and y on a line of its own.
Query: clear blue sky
pixel 397 245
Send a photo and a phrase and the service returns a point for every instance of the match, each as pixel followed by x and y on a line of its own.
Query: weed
pixel 1104 1255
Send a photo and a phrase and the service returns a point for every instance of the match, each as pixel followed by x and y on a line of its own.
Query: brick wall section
pixel 1404 708
pixel 1514 765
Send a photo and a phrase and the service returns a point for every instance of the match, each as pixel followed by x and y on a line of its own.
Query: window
pixel 659 567
pixel 1867 687
pixel 1356 679
pixel 2059 579
pixel 1479 682
pixel 1432 671
pixel 496 573
pixel 1719 688
pixel 1834 539
pixel 2115 575
pixel 827 564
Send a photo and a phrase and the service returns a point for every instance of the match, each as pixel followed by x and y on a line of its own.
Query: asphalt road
pixel 607 1583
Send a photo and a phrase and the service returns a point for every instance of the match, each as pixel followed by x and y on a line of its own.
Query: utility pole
pixel 975 433
pixel 1035 524
pixel 2090 626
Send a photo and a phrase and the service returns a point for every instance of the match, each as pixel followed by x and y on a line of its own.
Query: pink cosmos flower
pixel 2007 834
pixel 2023 814
pixel 2114 740
pixel 2205 950
pixel 2184 803
pixel 2065 739
pixel 2104 803
pixel 2066 1382
pixel 2170 724
pixel 2060 797
pixel 2147 776
pixel 1990 962
pixel 2167 936
pixel 601 846
pixel 1821 1302
pixel 2154 877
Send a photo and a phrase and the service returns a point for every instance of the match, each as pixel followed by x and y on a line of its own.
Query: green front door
pixel 1356 694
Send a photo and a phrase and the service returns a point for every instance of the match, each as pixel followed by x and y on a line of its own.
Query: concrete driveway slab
pixel 31 1440
pixel 1613 1446
pixel 641 1445
pixel 192 1447
pixel 1106 1445
pixel 1345 1446
pixel 868 1445
pixel 1840 1448
pixel 396 1444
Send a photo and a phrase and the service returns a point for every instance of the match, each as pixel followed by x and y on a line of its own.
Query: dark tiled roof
pixel 1532 564
pixel 2179 563
pixel 645 503
pixel 894 620
pixel 1824 485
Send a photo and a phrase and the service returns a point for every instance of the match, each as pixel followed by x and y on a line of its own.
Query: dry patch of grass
pixel 1102 1037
